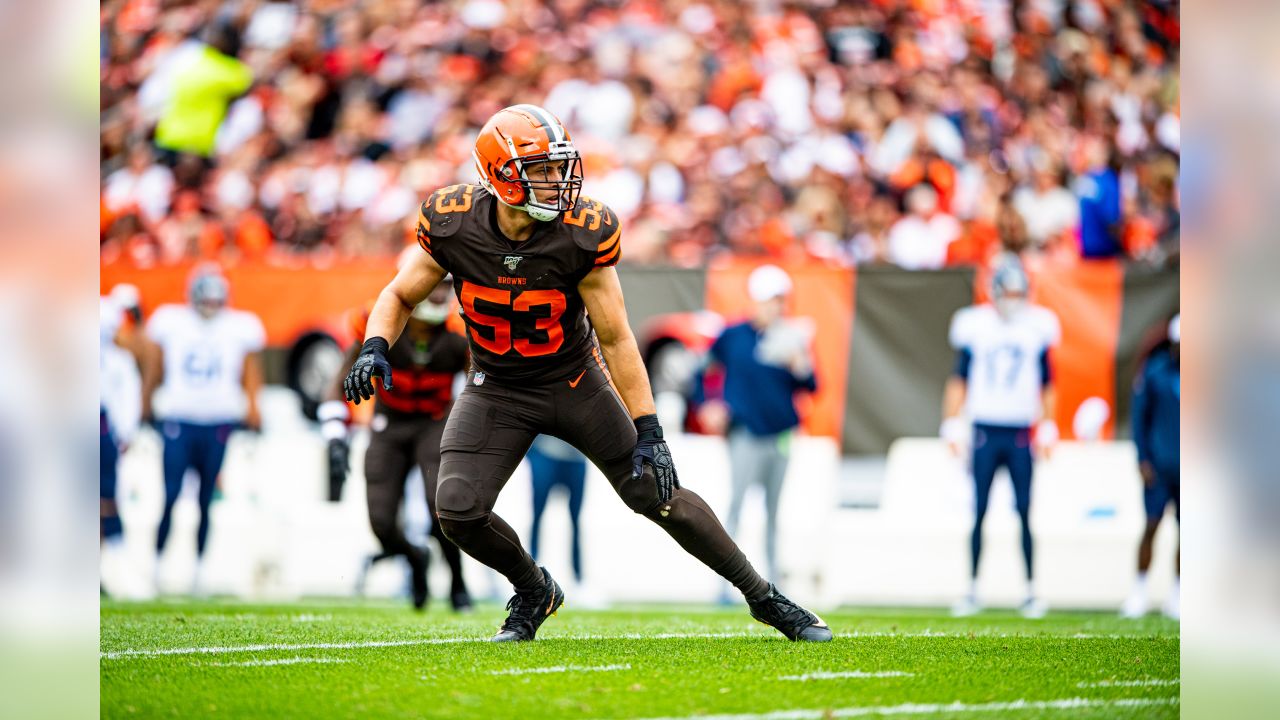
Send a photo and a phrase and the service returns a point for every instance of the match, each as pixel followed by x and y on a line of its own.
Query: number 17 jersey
pixel 525 319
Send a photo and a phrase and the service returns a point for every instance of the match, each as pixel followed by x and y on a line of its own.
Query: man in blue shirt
pixel 766 360
pixel 1157 396
pixel 1099 193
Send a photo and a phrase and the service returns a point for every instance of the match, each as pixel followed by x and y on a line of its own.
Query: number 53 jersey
pixel 1004 361
pixel 526 322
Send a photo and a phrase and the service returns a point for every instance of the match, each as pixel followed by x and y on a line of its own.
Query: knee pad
pixel 456 495
pixel 641 494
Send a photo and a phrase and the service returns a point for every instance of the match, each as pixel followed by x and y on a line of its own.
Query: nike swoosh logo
pixel 574 382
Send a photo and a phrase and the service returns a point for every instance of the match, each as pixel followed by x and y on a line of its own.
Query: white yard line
pixel 279 661
pixel 935 709
pixel 1128 683
pixel 217 650
pixel 560 669
pixel 116 655
pixel 847 674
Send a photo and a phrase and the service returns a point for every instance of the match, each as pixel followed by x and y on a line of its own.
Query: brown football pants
pixel 490 429
pixel 393 451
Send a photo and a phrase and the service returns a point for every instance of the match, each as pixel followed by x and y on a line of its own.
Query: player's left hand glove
pixel 372 363
pixel 651 449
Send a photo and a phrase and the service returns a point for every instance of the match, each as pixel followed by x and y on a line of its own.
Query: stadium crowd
pixel 921 133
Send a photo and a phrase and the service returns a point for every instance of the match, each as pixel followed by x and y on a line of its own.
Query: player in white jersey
pixel 1003 383
pixel 119 412
pixel 212 371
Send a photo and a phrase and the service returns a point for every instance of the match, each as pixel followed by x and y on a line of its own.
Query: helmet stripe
pixel 549 126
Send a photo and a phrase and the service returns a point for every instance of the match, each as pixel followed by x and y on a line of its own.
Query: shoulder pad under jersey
pixel 595 229
pixel 446 210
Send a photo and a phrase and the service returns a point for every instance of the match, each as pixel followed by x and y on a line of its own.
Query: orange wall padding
pixel 1087 299
pixel 290 300
pixel 822 293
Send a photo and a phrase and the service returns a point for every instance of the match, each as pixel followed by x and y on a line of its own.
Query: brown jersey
pixel 525 319
pixel 424 362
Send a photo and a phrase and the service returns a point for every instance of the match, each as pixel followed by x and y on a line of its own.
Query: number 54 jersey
pixel 526 322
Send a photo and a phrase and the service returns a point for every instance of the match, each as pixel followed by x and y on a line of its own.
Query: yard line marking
pixel 560 669
pixel 1128 683
pixel 934 709
pixel 279 661
pixel 157 652
pixel 278 646
pixel 847 674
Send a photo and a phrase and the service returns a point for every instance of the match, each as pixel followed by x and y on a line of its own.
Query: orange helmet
pixel 513 155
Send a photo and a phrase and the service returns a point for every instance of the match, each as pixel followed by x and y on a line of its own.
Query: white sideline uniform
pixel 119 380
pixel 1004 382
pixel 204 362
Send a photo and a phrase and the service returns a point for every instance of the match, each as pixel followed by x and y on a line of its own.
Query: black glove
pixel 339 464
pixel 652 449
pixel 372 363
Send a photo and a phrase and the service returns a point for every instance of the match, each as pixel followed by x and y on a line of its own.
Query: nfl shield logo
pixel 511 261
pixel 478 379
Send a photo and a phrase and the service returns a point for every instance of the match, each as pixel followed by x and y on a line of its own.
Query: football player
pixel 533 269
pixel 122 353
pixel 1002 378
pixel 209 379
pixel 1157 432
pixel 406 427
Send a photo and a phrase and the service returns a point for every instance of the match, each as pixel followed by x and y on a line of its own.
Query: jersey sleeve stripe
pixel 611 257
pixel 607 246
pixel 610 240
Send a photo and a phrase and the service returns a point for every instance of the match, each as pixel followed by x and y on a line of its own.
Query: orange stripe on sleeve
pixel 608 242
pixel 611 258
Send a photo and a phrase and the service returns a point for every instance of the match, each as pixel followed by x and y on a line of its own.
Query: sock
pixel 1140 584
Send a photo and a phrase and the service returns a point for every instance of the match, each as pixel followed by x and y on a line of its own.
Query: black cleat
pixel 419 560
pixel 789 618
pixel 461 601
pixel 529 611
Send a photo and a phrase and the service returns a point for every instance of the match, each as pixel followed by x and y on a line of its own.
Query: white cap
pixel 768 282
pixel 1091 417
pixel 126 295
pixel 1175 329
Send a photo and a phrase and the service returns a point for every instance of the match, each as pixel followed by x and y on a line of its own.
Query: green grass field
pixel 347 659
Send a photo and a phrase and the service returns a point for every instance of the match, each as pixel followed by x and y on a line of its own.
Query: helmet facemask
pixel 1009 290
pixel 534 173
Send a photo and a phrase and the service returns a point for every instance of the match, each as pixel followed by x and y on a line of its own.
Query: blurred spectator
pixel 1099 192
pixel 1048 209
pixel 203 84
pixel 920 239
pixel 766 360
pixel 709 127
pixel 142 185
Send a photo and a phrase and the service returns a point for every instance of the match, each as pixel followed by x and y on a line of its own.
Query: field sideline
pixel 371 659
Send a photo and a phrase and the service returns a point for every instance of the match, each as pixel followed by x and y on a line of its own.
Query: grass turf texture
pixel 346 659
